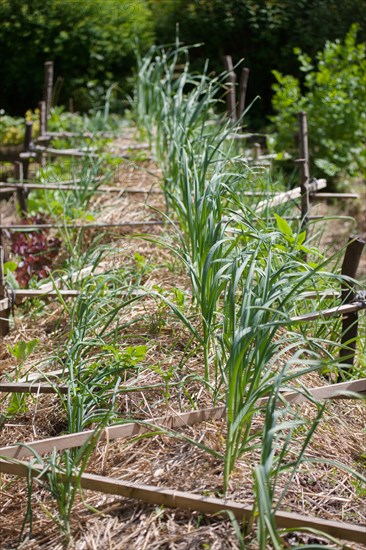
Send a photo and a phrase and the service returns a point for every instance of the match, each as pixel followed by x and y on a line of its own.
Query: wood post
pixel 42 118
pixel 243 85
pixel 21 192
pixel 26 147
pixel 350 322
pixel 47 88
pixel 231 88
pixel 256 151
pixel 4 315
pixel 1 232
pixel 304 168
pixel 42 127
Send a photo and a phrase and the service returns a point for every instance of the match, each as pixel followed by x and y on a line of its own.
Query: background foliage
pixel 334 98
pixel 264 32
pixel 90 41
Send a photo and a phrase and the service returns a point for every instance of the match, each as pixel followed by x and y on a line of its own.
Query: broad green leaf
pixel 283 226
pixel 9 267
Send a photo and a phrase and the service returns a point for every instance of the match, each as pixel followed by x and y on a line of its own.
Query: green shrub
pixel 12 129
pixel 263 32
pixel 91 42
pixel 334 98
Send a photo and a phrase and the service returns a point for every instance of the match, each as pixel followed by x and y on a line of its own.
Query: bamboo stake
pixel 192 501
pixel 350 321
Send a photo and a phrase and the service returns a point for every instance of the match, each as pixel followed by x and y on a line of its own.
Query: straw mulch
pixel 105 522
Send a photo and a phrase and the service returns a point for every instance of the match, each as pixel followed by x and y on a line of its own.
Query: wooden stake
pixel 37 388
pixel 257 151
pixel 193 501
pixel 305 168
pixel 26 148
pixel 350 321
pixel 231 88
pixel 4 315
pixel 1 234
pixel 243 85
pixel 42 118
pixel 47 87
pixel 42 128
pixel 21 192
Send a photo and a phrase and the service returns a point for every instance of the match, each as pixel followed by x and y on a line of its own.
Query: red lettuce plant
pixel 36 250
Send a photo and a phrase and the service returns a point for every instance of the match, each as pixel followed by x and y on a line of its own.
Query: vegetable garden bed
pixel 202 313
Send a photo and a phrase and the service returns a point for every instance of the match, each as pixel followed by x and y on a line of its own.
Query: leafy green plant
pixel 20 351
pixel 333 96
pixel 278 462
pixel 11 129
pixel 59 474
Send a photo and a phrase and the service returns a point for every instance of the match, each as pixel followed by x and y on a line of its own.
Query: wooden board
pixel 37 388
pixel 335 391
pixel 12 187
pixel 47 289
pixel 287 196
pixel 171 498
pixel 60 187
pixel 331 312
pixel 37 227
pixel 326 196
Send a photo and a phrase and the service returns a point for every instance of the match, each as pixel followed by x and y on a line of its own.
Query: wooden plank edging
pixel 37 227
pixel 293 194
pixel 331 312
pixel 171 498
pixel 335 391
